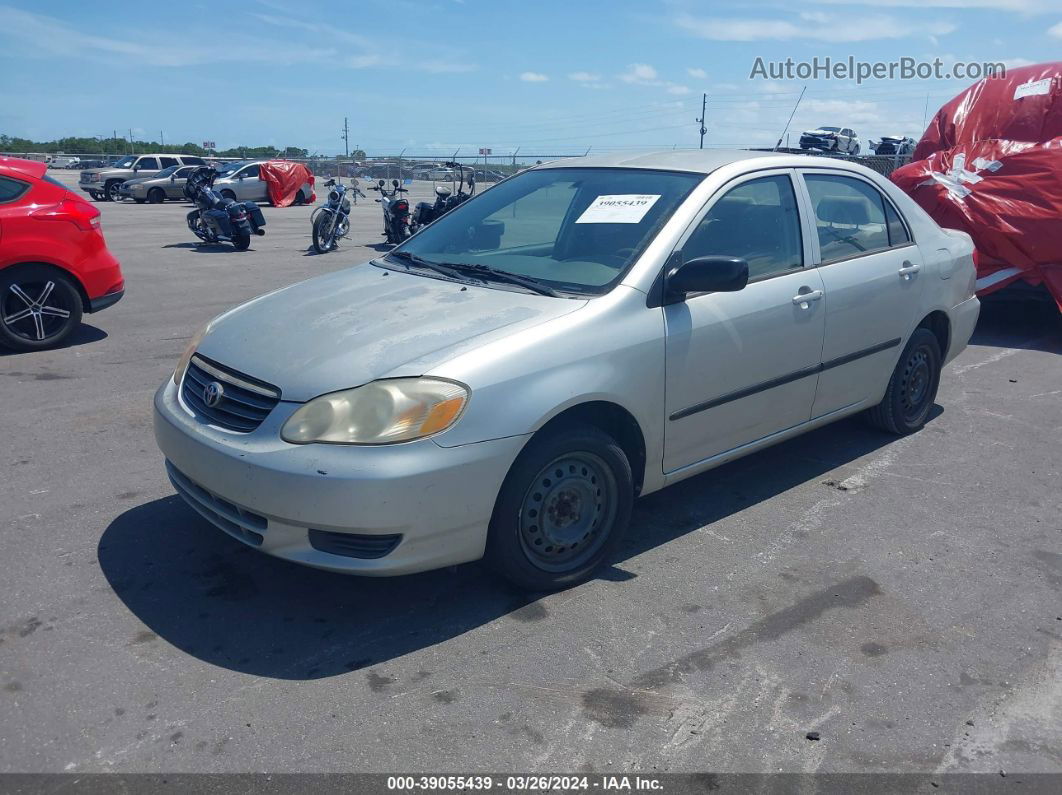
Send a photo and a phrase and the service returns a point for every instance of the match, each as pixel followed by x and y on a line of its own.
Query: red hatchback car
pixel 54 262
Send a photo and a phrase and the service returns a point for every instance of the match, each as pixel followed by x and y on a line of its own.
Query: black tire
pixel 241 241
pixel 855 151
pixel 111 190
pixel 322 227
pixel 300 197
pixel 21 288
pixel 228 194
pixel 96 195
pixel 584 511
pixel 140 201
pixel 912 388
pixel 156 196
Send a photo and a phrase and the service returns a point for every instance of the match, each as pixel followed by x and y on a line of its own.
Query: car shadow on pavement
pixel 1025 324
pixel 84 334
pixel 227 604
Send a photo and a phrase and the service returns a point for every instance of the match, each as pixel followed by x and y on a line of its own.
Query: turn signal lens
pixel 382 412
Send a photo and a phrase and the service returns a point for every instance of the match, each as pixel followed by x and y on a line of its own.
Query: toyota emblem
pixel 213 393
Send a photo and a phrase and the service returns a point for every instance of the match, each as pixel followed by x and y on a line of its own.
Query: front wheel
pixel 228 194
pixel 323 225
pixel 113 191
pixel 39 307
pixel 562 509
pixel 912 387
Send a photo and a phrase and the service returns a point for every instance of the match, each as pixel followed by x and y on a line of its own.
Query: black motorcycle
pixel 216 219
pixel 395 211
pixel 331 221
pixel 445 199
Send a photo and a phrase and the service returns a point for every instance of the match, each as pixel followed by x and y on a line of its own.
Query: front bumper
pixel 270 494
pixel 816 142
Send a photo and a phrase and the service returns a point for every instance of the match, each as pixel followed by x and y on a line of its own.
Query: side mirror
pixel 394 183
pixel 381 183
pixel 173 177
pixel 707 275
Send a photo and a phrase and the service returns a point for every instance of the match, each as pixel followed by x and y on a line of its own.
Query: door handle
pixel 803 300
pixel 909 268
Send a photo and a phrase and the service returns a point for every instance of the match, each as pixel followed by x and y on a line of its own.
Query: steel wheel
pixel 568 503
pixel 915 384
pixel 38 308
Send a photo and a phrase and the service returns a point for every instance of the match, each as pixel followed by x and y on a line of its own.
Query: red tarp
pixel 990 164
pixel 283 179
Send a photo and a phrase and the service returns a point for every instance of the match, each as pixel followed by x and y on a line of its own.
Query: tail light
pixel 401 207
pixel 80 213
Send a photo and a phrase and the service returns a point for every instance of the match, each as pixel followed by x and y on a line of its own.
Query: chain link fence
pixel 437 168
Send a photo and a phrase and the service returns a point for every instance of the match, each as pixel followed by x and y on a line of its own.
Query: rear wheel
pixel 156 196
pixel 39 307
pixel 96 195
pixel 112 190
pixel 912 388
pixel 241 241
pixel 562 509
pixel 323 241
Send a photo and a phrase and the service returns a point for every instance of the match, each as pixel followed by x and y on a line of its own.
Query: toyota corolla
pixel 506 382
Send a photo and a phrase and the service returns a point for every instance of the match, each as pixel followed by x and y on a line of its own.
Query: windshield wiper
pixel 487 273
pixel 420 262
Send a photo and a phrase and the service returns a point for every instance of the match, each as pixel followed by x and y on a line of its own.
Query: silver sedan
pixel 506 382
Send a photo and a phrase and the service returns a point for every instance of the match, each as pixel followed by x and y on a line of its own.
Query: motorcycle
pixel 445 199
pixel 331 221
pixel 395 211
pixel 216 219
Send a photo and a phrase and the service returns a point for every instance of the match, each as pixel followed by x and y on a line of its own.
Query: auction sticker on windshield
pixel 621 208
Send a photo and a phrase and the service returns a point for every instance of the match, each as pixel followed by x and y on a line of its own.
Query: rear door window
pixel 11 189
pixel 849 216
pixel 194 161
pixel 168 161
pixel 148 164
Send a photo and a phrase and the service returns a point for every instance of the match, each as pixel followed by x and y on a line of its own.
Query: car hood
pixel 819 132
pixel 348 328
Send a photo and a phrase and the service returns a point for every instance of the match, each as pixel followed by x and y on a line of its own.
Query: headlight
pixel 383 412
pixel 186 357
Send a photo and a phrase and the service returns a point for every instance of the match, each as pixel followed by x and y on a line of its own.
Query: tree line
pixel 121 146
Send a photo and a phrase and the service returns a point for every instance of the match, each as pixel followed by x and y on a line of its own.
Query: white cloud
pixel 584 77
pixel 831 28
pixel 533 77
pixel 639 73
pixel 1055 30
pixel 700 74
pixel 1019 6
pixel 1015 63
pixel 677 89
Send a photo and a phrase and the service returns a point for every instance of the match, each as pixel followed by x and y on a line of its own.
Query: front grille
pixel 238 522
pixel 354 545
pixel 245 401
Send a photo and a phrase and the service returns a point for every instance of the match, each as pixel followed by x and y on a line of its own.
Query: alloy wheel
pixel 34 310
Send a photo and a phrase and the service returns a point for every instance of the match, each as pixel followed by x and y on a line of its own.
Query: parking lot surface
pixel 902 598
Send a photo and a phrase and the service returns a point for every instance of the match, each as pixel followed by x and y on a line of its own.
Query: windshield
pixel 125 162
pixel 571 229
pixel 830 129
pixel 231 168
pixel 167 171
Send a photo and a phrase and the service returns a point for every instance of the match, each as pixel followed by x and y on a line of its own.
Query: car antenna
pixel 791 115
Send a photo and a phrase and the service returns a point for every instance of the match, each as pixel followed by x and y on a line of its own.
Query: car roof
pixel 698 161
pixel 705 161
pixel 29 168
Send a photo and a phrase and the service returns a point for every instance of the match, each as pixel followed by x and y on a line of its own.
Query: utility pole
pixel 130 140
pixel 346 137
pixel 700 121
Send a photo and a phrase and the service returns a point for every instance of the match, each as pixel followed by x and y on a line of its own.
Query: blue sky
pixel 548 77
